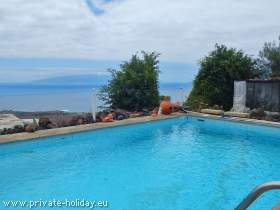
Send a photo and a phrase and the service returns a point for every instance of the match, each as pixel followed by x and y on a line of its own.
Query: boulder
pixel 60 120
pixel 258 113
pixel 121 114
pixel 29 128
pixel 135 114
pixel 10 131
pixel 100 116
pixel 76 120
pixel 18 129
pixel 3 131
pixel 45 123
pixel 88 118
pixel 120 117
pixel 81 119
pixel 272 116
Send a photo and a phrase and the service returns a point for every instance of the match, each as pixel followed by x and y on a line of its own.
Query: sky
pixel 41 39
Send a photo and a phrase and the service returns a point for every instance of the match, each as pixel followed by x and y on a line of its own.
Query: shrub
pixel 213 86
pixel 135 85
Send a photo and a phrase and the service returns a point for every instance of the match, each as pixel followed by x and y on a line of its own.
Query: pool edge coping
pixel 24 136
pixel 90 127
pixel 236 119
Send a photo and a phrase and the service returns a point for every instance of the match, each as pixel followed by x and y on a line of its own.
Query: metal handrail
pixel 255 193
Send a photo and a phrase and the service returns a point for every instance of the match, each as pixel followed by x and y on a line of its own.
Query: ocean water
pixel 76 99
pixel 177 164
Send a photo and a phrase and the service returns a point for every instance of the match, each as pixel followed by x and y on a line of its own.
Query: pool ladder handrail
pixel 257 192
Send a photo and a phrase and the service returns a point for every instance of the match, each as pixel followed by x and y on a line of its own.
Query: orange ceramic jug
pixel 166 107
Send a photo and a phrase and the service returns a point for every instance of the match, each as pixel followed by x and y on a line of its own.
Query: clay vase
pixel 166 107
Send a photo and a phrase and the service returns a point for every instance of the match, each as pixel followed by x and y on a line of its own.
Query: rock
pixel 257 113
pixel 100 116
pixel 145 112
pixel 135 114
pixel 3 131
pixel 272 116
pixel 120 117
pixel 10 131
pixel 176 107
pixel 29 128
pixel 45 123
pixel 60 121
pixel 121 114
pixel 80 119
pixel 88 118
pixel 18 129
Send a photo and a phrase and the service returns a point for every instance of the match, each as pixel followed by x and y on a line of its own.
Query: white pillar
pixel 94 104
pixel 239 97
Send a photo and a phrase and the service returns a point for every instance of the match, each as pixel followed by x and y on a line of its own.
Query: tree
pixel 270 58
pixel 135 85
pixel 213 86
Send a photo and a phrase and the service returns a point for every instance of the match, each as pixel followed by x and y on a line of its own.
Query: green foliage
pixel 270 58
pixel 213 86
pixel 135 85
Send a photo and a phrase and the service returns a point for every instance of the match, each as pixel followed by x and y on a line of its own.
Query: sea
pixel 63 98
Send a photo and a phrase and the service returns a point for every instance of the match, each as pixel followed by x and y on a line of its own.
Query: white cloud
pixel 181 30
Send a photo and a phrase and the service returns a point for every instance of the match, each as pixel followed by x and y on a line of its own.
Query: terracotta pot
pixel 166 107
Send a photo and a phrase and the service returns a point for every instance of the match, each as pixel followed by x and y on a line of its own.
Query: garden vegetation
pixel 135 86
pixel 214 84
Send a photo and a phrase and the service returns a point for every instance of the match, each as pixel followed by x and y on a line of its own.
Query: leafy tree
pixel 213 86
pixel 270 58
pixel 135 85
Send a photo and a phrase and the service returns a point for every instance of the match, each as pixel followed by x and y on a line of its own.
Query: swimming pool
pixel 181 163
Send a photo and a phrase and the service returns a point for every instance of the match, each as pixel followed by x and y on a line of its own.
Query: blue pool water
pixel 180 163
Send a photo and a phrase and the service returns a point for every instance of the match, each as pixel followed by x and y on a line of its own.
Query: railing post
pixel 255 193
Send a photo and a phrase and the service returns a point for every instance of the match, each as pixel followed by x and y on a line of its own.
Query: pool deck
pixel 88 127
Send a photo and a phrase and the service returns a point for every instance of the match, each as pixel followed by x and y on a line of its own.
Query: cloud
pixel 94 8
pixel 182 30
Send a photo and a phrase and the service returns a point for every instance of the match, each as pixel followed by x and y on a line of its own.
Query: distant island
pixel 88 80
